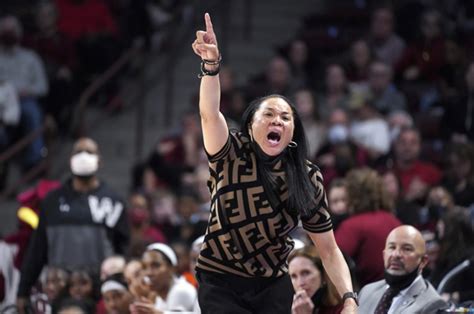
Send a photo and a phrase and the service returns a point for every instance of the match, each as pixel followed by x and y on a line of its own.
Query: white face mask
pixel 338 133
pixel 84 164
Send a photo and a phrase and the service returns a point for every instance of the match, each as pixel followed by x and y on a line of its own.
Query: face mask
pixel 338 133
pixel 84 164
pixel 401 282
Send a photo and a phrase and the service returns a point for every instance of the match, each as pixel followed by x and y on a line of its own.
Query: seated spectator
pixel 338 201
pixel 314 128
pixel 398 120
pixel 275 80
pixel 454 69
pixel 59 56
pixel 9 119
pixel 368 129
pixel 194 254
pixel 384 42
pixel 73 306
pixel 459 173
pixel 138 283
pixel 82 286
pixel 386 97
pixel 115 294
pixel 416 176
pixel 336 92
pixel 403 288
pixel 359 62
pixel 56 286
pixel 25 71
pixel 458 117
pixel 456 232
pixel 112 265
pixel 141 227
pixel 232 98
pixel 361 236
pixel 301 65
pixel 422 60
pixel 173 293
pixel 90 25
pixel 314 292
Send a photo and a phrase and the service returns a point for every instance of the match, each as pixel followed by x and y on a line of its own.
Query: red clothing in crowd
pixel 80 18
pixel 362 237
pixel 424 171
pixel 428 56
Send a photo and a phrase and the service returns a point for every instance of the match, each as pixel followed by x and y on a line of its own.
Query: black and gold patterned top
pixel 246 236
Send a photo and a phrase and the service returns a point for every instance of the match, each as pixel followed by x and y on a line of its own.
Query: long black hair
pixel 301 191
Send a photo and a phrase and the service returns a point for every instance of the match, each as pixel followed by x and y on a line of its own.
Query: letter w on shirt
pixel 104 209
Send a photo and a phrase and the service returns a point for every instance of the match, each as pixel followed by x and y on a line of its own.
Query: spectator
pixel 194 254
pixel 456 232
pixel 9 119
pixel 56 286
pixel 358 66
pixel 368 129
pixel 82 286
pixel 73 306
pixel 398 120
pixel 458 118
pixel 361 236
pixel 232 98
pixel 60 60
pixel 422 60
pixel 415 176
pixel 111 265
pixel 315 130
pixel 275 80
pixel 336 93
pixel 403 288
pixel 173 293
pixel 453 70
pixel 25 71
pixel 384 42
pixel 90 25
pixel 386 97
pixel 116 296
pixel 84 215
pixel 314 292
pixel 302 69
pixel 338 201
pixel 137 284
pixel 459 173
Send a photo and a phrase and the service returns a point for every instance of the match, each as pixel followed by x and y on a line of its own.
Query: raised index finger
pixel 209 28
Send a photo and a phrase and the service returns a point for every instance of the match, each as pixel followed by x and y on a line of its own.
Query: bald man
pixel 80 224
pixel 403 290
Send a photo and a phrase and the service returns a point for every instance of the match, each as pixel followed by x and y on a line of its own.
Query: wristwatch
pixel 352 295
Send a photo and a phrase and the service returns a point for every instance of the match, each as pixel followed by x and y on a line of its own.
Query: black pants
pixel 230 294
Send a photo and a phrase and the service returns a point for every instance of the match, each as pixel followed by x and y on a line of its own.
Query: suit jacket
pixel 420 298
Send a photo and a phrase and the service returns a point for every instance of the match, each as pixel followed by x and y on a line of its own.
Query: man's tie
pixel 386 301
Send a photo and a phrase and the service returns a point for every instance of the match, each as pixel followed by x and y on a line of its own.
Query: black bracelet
pixel 213 62
pixel 205 72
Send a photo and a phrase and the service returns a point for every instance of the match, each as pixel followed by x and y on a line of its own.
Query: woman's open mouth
pixel 274 138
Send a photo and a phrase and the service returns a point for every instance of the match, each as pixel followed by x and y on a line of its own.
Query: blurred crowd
pixel 386 94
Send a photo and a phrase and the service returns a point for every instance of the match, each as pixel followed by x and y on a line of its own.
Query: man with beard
pixel 80 224
pixel 403 290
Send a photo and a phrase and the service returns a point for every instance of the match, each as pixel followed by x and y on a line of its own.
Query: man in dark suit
pixel 403 290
